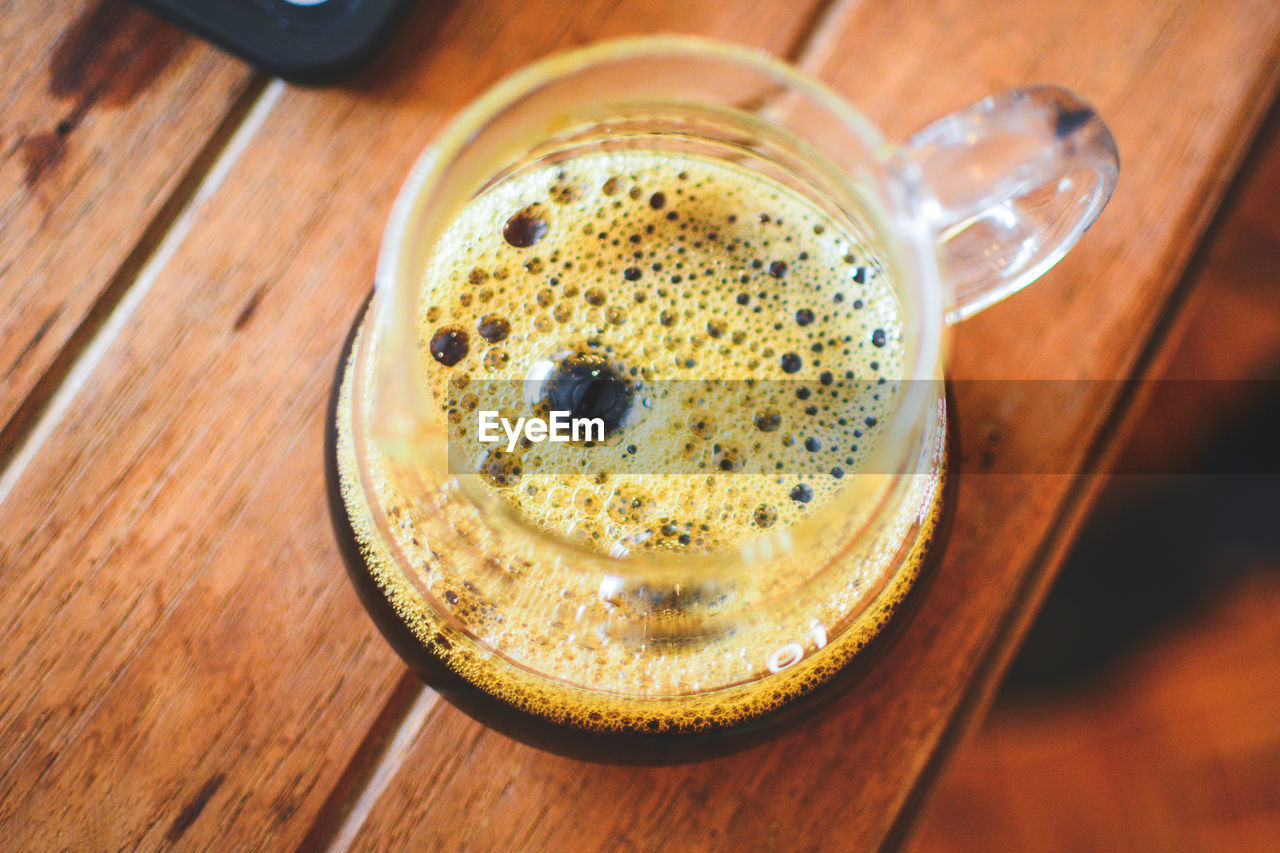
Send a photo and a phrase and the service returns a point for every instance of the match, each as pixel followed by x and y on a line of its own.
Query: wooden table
pixel 183 244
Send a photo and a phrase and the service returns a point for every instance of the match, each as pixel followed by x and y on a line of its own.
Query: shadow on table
pixel 1157 548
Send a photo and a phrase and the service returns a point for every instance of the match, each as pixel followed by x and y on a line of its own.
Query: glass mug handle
pixel 1011 183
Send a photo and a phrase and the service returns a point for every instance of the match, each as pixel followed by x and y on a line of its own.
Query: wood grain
pixel 105 112
pixel 1183 85
pixel 1231 334
pixel 1177 748
pixel 1173 745
pixel 182 660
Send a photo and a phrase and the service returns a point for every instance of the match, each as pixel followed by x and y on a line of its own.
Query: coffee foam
pixel 759 339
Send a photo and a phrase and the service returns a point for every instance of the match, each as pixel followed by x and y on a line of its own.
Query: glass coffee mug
pixel 740 292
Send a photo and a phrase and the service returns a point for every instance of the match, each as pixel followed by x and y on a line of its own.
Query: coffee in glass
pixel 643 435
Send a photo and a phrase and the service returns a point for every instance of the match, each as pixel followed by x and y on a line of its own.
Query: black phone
pixel 305 40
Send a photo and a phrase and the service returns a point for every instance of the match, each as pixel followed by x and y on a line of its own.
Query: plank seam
pixel 1106 446
pixel 385 765
pixel 51 399
pixel 816 41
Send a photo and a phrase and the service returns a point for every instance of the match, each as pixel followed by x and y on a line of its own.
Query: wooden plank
pixel 183 658
pixel 1183 84
pixel 1173 744
pixel 1232 330
pixel 1175 748
pixel 106 111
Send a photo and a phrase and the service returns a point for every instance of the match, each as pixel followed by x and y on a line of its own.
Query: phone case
pixel 304 40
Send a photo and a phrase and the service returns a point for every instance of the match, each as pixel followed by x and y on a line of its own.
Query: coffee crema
pixel 716 322
pixel 743 350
